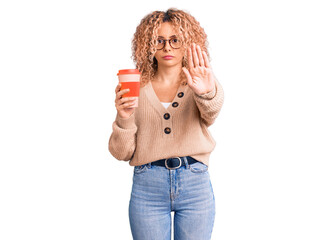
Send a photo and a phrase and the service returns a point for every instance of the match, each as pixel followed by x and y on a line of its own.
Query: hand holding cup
pixel 129 86
pixel 124 106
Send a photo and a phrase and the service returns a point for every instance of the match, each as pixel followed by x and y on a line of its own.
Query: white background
pixel 271 169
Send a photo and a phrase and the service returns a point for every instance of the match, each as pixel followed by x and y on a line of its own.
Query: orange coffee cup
pixel 130 78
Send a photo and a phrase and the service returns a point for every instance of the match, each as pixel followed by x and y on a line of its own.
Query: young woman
pixel 166 138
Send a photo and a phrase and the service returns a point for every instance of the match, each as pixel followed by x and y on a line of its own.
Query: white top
pixel 166 104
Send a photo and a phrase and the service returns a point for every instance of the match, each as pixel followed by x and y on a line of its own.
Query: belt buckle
pixel 166 164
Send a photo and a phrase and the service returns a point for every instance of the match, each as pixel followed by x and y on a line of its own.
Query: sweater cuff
pixel 126 123
pixel 209 95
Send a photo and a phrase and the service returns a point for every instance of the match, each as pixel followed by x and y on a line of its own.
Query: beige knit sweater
pixel 153 132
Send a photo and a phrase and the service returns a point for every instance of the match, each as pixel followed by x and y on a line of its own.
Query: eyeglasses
pixel 173 42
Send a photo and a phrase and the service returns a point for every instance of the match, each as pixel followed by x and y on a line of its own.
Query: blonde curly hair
pixel 145 40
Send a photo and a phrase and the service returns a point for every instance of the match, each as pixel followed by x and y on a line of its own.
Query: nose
pixel 167 46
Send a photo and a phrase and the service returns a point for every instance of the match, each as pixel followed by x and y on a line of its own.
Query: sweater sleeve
pixel 122 142
pixel 210 104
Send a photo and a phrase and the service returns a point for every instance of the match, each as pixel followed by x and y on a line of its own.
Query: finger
pixel 188 76
pixel 120 103
pixel 126 105
pixel 127 99
pixel 195 56
pixel 118 87
pixel 120 93
pixel 189 57
pixel 207 64
pixel 201 60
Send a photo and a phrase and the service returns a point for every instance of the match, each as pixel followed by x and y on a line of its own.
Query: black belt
pixel 174 163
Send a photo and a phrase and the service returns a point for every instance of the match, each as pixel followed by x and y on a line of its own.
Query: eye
pixel 160 41
pixel 175 40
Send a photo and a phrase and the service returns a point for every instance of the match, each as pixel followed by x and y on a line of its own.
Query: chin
pixel 169 63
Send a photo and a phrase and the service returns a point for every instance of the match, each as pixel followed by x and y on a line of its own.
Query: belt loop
pixel 186 163
pixel 149 165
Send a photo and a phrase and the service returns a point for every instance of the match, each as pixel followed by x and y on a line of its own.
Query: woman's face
pixel 167 32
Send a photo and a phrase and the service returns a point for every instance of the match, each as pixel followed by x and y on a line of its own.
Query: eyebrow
pixel 170 36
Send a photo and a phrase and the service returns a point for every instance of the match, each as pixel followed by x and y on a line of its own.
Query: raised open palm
pixel 200 77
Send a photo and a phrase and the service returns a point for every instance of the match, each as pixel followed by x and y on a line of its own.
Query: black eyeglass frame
pixel 169 40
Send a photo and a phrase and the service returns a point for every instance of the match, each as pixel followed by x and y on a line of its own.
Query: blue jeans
pixel 157 191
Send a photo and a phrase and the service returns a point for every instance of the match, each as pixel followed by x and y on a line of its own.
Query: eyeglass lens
pixel 174 43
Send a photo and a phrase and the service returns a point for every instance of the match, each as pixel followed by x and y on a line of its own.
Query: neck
pixel 168 75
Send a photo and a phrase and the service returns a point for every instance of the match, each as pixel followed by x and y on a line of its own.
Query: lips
pixel 168 57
